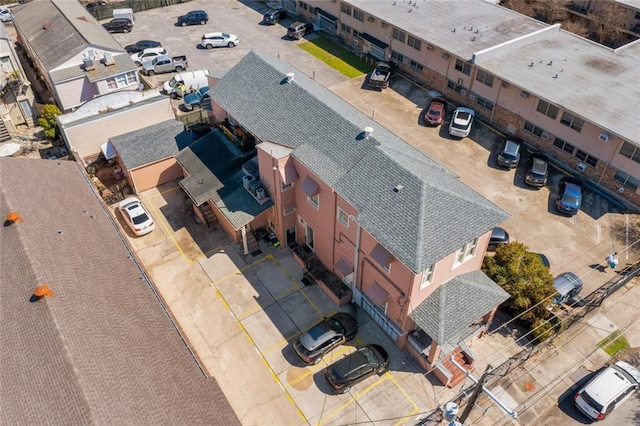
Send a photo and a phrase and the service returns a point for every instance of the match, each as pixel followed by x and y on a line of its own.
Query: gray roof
pixel 435 20
pixel 214 168
pixel 102 350
pixel 446 314
pixel 599 84
pixel 69 30
pixel 434 213
pixel 122 63
pixel 150 144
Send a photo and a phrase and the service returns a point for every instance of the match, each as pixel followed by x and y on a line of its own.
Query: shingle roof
pixel 432 216
pixel 102 350
pixel 153 143
pixel 69 30
pixel 121 64
pixel 446 314
pixel 214 168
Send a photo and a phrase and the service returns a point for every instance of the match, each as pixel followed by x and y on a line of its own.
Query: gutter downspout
pixel 245 247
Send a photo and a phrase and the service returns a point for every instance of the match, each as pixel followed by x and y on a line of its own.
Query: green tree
pixel 530 284
pixel 48 122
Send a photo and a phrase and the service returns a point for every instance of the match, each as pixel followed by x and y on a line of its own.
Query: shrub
pixel 48 122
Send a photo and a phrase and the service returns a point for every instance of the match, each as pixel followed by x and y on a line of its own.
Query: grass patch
pixel 337 57
pixel 614 343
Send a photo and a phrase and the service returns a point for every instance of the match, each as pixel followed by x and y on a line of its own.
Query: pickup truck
pixel 379 77
pixel 165 63
pixel 197 98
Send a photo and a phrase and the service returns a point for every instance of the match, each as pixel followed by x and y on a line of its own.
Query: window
pixel 399 57
pixel 399 35
pixel 427 277
pixel 466 252
pixel 630 151
pixel 484 103
pixel 485 78
pixel 289 210
pixel 416 66
pixel 387 268
pixel 346 8
pixel 355 34
pixel 627 180
pixel 314 201
pixel 533 129
pixel 303 5
pixel 572 121
pixel 343 217
pixel 454 86
pixel 111 84
pixel 547 109
pixel 414 42
pixel 565 146
pixel 358 14
pixel 463 67
pixel 586 158
pixel 345 28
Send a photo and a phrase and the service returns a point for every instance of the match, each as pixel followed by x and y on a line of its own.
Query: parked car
pixel 435 112
pixel 570 197
pixel 136 217
pixel 218 39
pixel 5 14
pixel 379 77
pixel 95 5
pixel 498 237
pixel 609 389
pixel 461 122
pixel 297 30
pixel 567 285
pixel 274 16
pixel 164 63
pixel 325 336
pixel 148 54
pixel 196 98
pixel 141 45
pixel 537 170
pixel 510 154
pixel 357 366
pixel 195 17
pixel 117 25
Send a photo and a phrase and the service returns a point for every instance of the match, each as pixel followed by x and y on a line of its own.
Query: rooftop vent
pixel 13 217
pixel 368 131
pixel 40 292
pixel 88 64
pixel 108 59
pixel 290 76
pixel 398 188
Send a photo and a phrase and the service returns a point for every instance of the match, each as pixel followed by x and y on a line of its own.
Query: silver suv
pixel 510 155
pixel 325 336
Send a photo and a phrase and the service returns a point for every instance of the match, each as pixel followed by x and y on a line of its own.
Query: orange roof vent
pixel 42 291
pixel 13 217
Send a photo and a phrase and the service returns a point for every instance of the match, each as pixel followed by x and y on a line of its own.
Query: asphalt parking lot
pixel 241 313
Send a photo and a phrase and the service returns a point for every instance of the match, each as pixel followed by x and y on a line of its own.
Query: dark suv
pixel 297 30
pixel 123 25
pixel 274 16
pixel 195 17
pixel 537 170
pixel 510 154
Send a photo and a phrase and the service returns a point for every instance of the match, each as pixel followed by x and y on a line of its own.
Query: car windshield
pixel 141 218
pixel 570 200
pixel 372 359
pixel 225 35
pixel 335 325
pixel 434 112
pixel 509 156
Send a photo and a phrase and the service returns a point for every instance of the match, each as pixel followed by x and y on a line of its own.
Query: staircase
pixel 4 133
pixel 252 243
pixel 458 376
pixel 207 212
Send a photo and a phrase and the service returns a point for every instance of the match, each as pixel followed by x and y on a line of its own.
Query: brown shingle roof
pixel 102 351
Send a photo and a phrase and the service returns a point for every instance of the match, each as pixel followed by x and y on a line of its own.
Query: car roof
pixel 464 109
pixel 566 282
pixel 608 384
pixel 511 147
pixel 572 188
pixel 213 34
pixel 317 335
pixel 498 233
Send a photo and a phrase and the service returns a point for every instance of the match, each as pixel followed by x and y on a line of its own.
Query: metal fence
pixel 102 12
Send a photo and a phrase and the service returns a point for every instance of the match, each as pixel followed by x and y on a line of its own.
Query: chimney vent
pixel 88 64
pixel 40 292
pixel 108 59
pixel 368 131
pixel 398 188
pixel 13 217
pixel 290 76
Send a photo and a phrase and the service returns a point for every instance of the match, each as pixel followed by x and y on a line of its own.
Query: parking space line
pixel 353 399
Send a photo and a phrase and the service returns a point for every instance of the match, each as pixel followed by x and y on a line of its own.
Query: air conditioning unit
pixel 545 136
pixel 246 181
pixel 260 193
pixel 581 167
pixel 429 47
pixel 405 60
pixel 460 82
pixel 524 94
pixel 371 19
pixel 384 24
pixel 472 97
pixel 504 85
pixel 88 64
pixel 604 137
pixel 621 190
pixel 445 56
pixel 356 41
pixel 463 92
pixel 108 59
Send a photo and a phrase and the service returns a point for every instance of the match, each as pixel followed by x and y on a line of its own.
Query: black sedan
pixel 498 237
pixel 325 336
pixel 139 46
pixel 357 366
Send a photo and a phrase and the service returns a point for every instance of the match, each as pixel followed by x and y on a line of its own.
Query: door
pixel 291 236
pixel 310 237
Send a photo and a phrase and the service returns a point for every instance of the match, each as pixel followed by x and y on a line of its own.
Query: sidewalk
pixel 536 386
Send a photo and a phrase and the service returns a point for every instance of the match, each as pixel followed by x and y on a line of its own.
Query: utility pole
pixel 474 396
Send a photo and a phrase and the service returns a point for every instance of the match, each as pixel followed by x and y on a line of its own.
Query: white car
pixel 148 54
pixel 218 39
pixel 136 217
pixel 461 122
pixel 5 14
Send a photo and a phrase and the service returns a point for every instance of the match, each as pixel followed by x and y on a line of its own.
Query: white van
pixel 126 13
pixel 607 390
pixel 186 82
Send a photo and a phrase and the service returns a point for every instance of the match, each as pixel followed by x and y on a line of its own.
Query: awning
pixel 344 266
pixel 381 255
pixel 381 44
pixel 327 15
pixel 309 187
pixel 288 174
pixel 108 150
pixel 377 294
